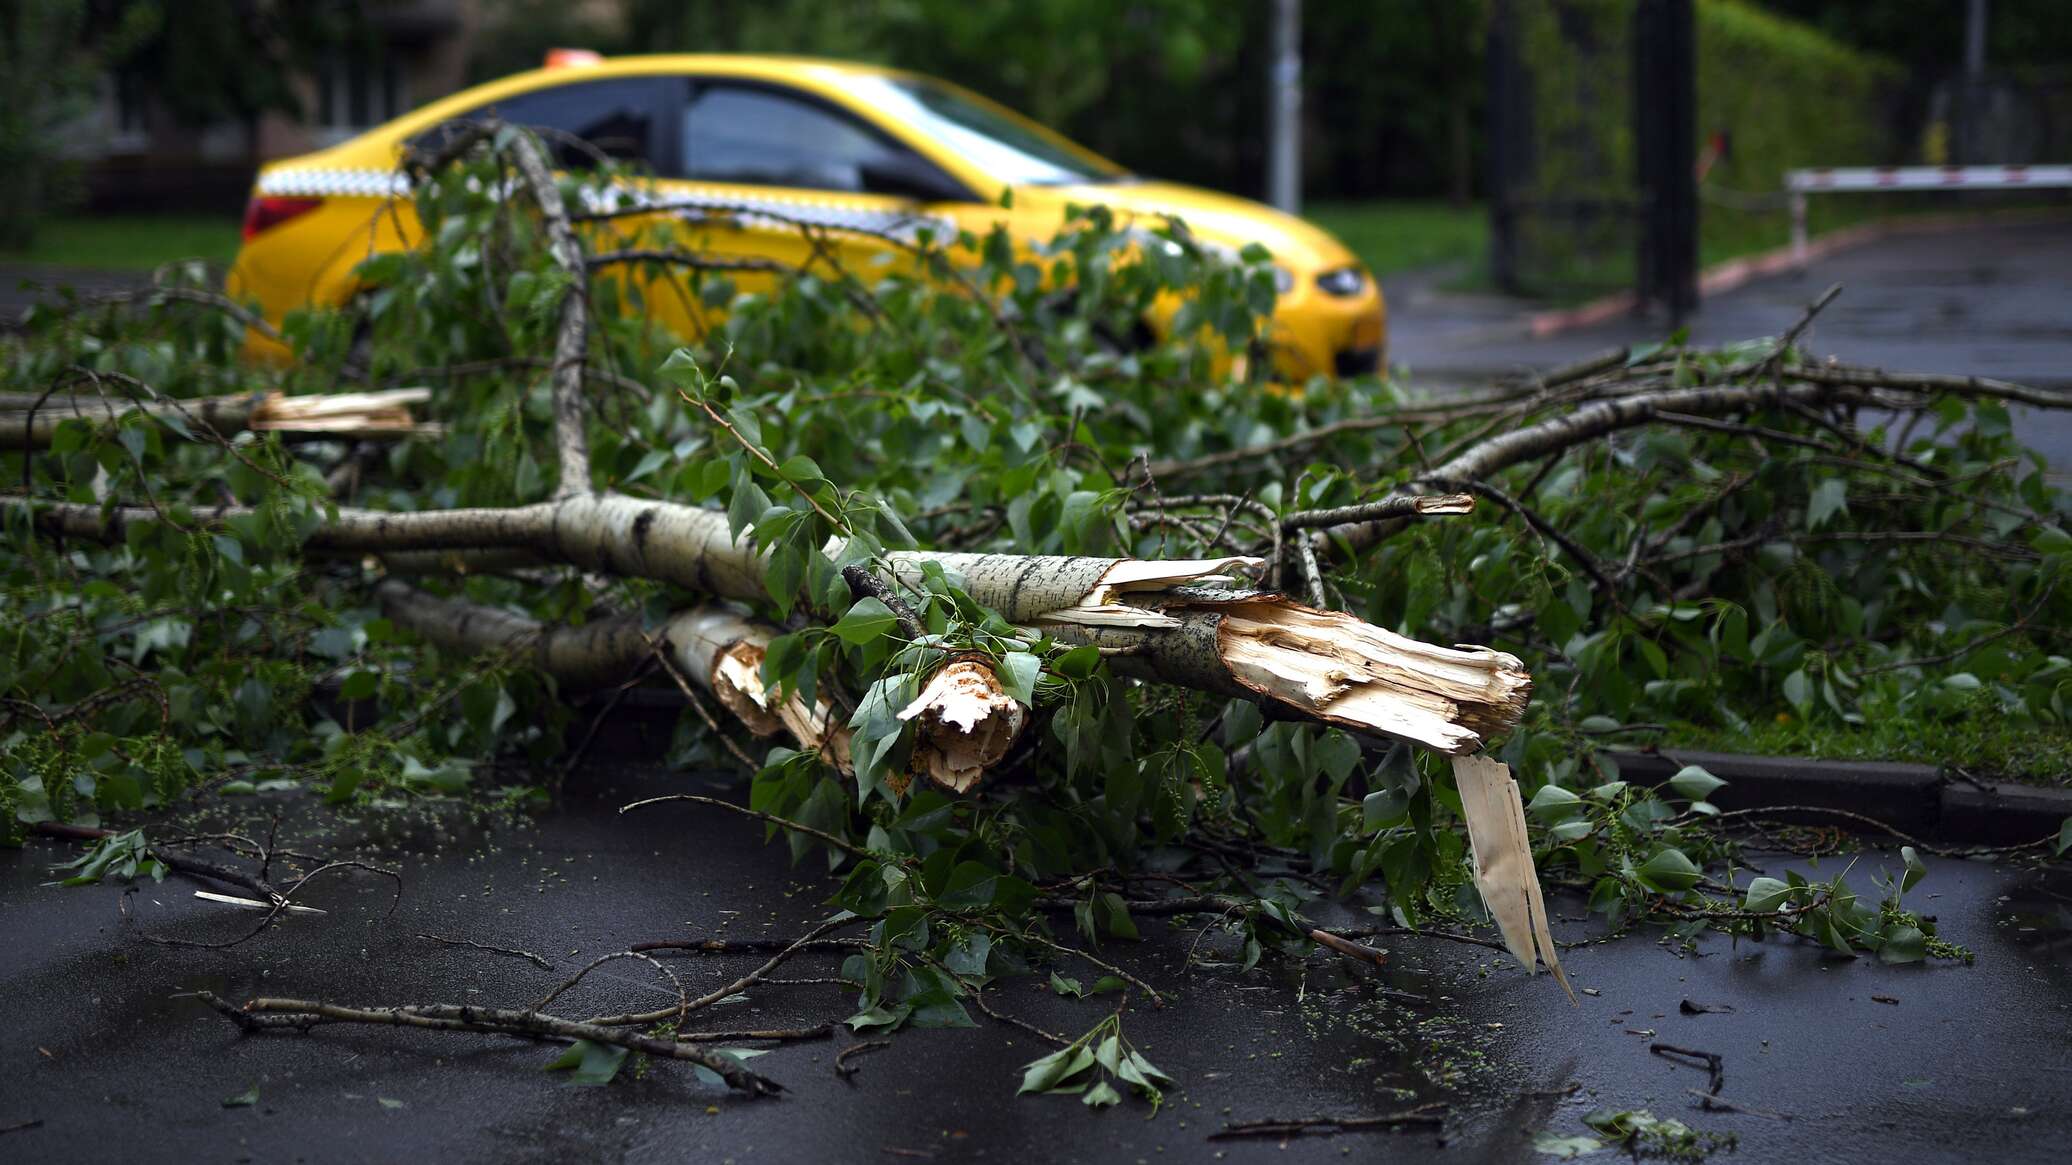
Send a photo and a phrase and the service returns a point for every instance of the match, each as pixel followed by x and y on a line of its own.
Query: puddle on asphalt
pixel 2034 911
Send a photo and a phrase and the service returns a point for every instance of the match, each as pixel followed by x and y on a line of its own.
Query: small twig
pixel 683 998
pixel 281 904
pixel 1712 1103
pixel 1396 506
pixel 1428 1115
pixel 1882 827
pixel 304 1013
pixel 737 986
pixel 543 964
pixel 1349 948
pixel 776 1033
pixel 1695 1058
pixel 1792 334
pixel 842 1066
pixel 978 998
pixel 24 1126
pixel 735 946
pixel 843 844
pixel 1157 1000
pixel 690 695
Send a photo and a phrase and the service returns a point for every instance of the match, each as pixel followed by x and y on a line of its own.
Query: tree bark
pixel 1186 623
pixel 718 648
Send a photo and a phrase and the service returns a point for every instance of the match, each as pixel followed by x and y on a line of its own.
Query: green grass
pixel 1402 235
pixel 129 241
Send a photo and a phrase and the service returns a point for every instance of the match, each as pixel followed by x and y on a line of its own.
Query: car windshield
pixel 1006 147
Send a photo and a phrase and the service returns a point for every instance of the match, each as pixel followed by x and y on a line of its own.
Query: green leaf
pixel 1101 1095
pixel 2064 841
pixel 868 619
pixel 245 1099
pixel 588 1063
pixel 1079 663
pixel 1566 1148
pixel 1903 944
pixel 1829 498
pixel 1054 1070
pixel 1669 871
pixel 1765 895
pixel 1916 869
pixel 1064 986
pixel 1693 783
pixel 1798 689
pixel 1553 802
pixel 1018 674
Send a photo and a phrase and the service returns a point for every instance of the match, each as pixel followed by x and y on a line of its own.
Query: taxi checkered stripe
pixel 336 183
pixel 341 182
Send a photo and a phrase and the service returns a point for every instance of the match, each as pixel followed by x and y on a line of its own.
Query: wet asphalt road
pixel 1991 301
pixel 1968 1063
pixel 102 1047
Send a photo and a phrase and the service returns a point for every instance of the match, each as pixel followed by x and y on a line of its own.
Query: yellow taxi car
pixel 809 141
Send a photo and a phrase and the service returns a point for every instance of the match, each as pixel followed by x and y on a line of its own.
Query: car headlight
pixel 1344 282
pixel 1283 280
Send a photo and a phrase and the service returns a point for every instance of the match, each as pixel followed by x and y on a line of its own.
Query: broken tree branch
pixel 719 648
pixel 304 1013
pixel 370 416
pixel 1180 622
pixel 572 318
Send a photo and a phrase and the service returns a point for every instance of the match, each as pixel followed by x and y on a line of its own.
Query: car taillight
pixel 262 213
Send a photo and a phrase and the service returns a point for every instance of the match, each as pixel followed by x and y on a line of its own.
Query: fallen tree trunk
pixel 28 422
pixel 718 648
pixel 1186 623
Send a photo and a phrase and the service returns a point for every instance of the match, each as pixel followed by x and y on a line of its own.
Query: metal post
pixel 1798 229
pixel 1975 40
pixel 1665 106
pixel 1970 89
pixel 1508 145
pixel 1284 135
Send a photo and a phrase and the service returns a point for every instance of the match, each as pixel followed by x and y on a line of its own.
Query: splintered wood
pixel 964 724
pixel 1198 623
pixel 1340 669
pixel 347 414
pixel 724 651
pixel 1104 604
pixel 1504 872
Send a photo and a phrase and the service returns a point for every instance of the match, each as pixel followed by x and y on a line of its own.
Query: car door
pixel 775 180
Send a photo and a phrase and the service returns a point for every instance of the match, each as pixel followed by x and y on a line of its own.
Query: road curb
pixel 1916 799
pixel 1723 277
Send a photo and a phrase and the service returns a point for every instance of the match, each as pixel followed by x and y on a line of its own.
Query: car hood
pixel 1214 216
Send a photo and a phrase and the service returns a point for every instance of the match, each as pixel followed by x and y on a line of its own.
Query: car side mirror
pixel 907 176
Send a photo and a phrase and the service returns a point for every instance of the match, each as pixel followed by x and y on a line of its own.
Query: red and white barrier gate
pixel 1803 182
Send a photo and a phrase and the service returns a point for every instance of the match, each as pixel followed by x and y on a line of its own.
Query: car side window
pixel 613 117
pixel 761 135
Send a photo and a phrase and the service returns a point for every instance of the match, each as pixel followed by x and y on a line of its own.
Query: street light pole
pixel 1284 133
pixel 1975 40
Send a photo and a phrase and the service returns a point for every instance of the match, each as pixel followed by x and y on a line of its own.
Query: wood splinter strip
pixel 1346 671
pixel 350 413
pixel 1504 872
pixel 964 724
pixel 727 650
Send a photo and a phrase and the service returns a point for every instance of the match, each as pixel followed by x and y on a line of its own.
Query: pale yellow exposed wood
pixel 1504 872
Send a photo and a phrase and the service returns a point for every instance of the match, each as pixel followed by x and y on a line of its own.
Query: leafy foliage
pixel 1057 398
pixel 1089 1066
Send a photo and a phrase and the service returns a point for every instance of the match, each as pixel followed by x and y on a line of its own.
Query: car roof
pixel 797 69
